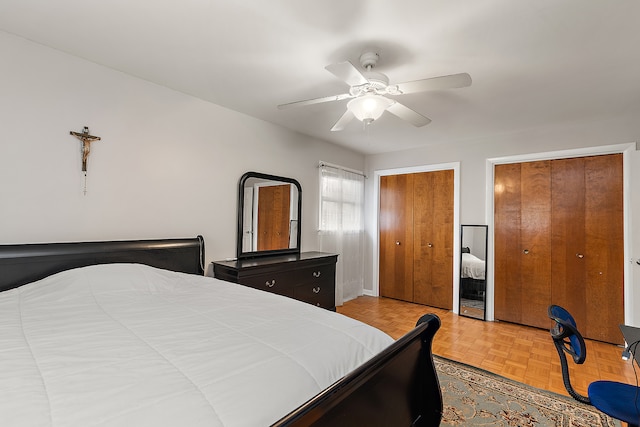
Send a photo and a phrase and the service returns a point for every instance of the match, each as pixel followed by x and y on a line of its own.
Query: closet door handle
pixel 580 256
pixel 525 251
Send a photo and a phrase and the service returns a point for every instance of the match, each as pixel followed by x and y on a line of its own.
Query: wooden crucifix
pixel 86 144
pixel 86 139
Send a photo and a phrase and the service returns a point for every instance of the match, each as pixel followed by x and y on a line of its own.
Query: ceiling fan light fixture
pixel 368 108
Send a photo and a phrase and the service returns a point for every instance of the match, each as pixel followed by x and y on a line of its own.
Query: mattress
pixel 132 345
pixel 472 267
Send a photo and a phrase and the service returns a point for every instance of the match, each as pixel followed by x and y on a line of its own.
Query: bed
pixel 472 267
pixel 472 276
pixel 132 333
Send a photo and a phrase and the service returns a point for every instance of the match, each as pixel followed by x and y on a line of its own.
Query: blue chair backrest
pixel 565 332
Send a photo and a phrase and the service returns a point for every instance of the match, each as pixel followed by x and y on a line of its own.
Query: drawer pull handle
pixel 316 273
pixel 316 290
pixel 580 256
pixel 270 284
pixel 525 251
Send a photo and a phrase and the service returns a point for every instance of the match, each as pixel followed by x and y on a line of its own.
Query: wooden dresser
pixel 308 276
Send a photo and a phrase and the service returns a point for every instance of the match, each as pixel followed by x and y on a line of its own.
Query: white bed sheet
pixel 472 267
pixel 131 345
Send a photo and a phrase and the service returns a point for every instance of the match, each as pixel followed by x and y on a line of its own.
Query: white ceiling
pixel 533 62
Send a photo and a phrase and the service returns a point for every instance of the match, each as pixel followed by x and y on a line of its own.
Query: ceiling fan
pixel 369 89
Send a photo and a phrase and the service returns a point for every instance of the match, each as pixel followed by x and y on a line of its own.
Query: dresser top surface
pixel 276 259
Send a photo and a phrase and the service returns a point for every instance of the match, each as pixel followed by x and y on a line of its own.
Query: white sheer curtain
pixel 341 228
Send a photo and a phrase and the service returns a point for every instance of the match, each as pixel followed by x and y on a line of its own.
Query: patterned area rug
pixel 474 397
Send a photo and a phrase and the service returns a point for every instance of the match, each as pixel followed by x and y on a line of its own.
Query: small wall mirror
pixel 473 267
pixel 269 211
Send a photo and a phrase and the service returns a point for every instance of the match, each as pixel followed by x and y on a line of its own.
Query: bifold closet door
pixel 396 237
pixel 587 243
pixel 416 237
pixel 433 238
pixel 559 240
pixel 522 240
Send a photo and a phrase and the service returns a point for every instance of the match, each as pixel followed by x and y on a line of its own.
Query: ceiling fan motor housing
pixel 377 83
pixel 376 80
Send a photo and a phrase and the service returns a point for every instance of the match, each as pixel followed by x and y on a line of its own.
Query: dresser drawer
pixel 320 294
pixel 314 275
pixel 277 282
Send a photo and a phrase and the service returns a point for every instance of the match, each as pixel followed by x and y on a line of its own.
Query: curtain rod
pixel 331 165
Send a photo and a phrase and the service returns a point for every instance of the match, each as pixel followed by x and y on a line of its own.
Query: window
pixel 341 200
pixel 341 227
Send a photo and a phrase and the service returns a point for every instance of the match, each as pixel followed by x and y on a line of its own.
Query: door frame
pixel 625 150
pixel 455 166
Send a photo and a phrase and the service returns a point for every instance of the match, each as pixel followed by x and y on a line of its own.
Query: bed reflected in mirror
pixel 473 262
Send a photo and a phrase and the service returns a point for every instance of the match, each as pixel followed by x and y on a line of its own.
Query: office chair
pixel 618 400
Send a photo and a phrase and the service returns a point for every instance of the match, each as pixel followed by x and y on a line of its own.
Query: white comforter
pixel 131 345
pixel 472 267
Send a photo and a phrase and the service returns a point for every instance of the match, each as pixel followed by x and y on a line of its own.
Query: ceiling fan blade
pixel 343 121
pixel 435 83
pixel 406 113
pixel 348 72
pixel 316 101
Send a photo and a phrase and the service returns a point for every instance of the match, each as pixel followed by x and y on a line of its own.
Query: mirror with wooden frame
pixel 269 211
pixel 473 267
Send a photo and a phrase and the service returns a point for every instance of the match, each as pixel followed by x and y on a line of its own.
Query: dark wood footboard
pixel 398 387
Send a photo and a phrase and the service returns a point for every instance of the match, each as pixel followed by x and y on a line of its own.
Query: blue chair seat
pixel 616 400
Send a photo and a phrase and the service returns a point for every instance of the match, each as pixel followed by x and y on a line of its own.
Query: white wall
pixel 168 164
pixel 473 156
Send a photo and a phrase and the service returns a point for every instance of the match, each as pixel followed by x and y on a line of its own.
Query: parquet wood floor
pixel 518 352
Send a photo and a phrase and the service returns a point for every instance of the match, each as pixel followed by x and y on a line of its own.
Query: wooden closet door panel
pixel 535 226
pixel 433 239
pixel 568 268
pixel 423 239
pixel 396 237
pixel 507 245
pixel 604 253
pixel 442 259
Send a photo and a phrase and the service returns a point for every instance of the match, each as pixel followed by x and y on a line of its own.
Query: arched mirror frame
pixel 293 249
pixel 469 284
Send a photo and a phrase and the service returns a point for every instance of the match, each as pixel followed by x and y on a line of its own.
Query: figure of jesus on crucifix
pixel 86 139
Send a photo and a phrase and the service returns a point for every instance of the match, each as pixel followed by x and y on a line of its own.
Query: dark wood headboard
pixel 25 263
